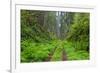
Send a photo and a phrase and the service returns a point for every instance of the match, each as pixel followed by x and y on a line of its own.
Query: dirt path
pixel 64 55
pixel 50 55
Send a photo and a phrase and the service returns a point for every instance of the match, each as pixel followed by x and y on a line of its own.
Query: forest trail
pixel 64 55
pixel 51 54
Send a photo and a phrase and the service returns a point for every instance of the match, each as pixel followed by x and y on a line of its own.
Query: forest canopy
pixel 54 36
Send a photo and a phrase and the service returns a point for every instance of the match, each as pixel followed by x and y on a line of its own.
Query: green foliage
pixel 32 51
pixel 57 55
pixel 79 55
pixel 42 37
pixel 72 54
pixel 79 31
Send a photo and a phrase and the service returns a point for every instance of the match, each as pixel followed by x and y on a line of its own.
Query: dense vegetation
pixel 54 36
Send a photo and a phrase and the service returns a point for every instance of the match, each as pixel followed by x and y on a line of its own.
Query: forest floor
pixel 62 55
pixel 50 55
pixel 53 51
